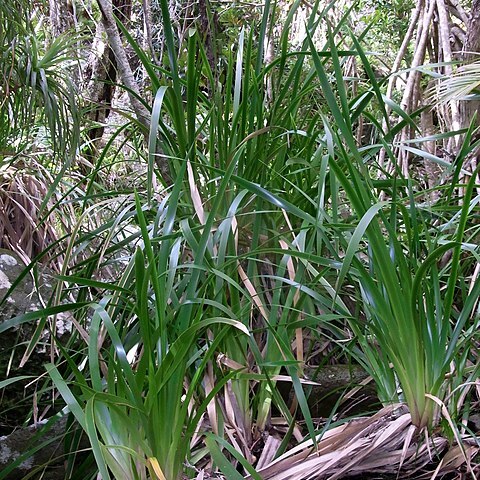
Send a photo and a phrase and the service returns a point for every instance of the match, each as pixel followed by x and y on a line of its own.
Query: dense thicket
pixel 235 200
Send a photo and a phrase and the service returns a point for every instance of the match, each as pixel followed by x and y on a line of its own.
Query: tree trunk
pixel 123 67
pixel 470 53
pixel 126 76
pixel 206 28
pixel 101 75
pixel 471 50
pixel 61 16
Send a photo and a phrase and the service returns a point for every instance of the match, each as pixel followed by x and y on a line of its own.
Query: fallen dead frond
pixel 385 443
pixel 22 228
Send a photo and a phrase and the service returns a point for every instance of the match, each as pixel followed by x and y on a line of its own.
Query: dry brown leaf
pixel 253 293
pixel 269 450
pixel 195 194
pixel 212 406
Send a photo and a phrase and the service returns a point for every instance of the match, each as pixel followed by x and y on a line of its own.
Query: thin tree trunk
pixel 101 76
pixel 147 21
pixel 470 53
pixel 207 31
pixel 403 49
pixel 457 10
pixel 61 16
pixel 411 93
pixel 444 34
pixel 418 59
pixel 128 80
pixel 123 67
pixel 392 81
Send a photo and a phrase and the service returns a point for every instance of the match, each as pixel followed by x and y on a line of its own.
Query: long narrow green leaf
pixel 66 394
pixel 221 460
pixel 356 238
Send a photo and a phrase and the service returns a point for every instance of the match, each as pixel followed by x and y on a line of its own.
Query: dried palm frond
pixel 22 230
pixel 461 85
pixel 384 443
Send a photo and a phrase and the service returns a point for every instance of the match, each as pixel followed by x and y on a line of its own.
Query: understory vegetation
pixel 251 216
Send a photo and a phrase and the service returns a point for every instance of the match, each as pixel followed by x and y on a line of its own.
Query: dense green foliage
pixel 279 232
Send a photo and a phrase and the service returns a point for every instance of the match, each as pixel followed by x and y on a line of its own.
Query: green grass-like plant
pixel 192 303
